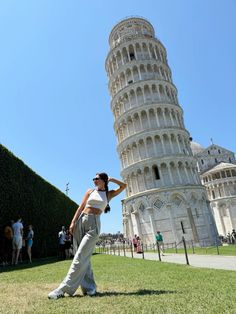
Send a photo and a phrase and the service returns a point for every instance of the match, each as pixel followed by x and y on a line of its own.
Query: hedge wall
pixel 24 193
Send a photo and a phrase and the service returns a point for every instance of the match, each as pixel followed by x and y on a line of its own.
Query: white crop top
pixel 97 199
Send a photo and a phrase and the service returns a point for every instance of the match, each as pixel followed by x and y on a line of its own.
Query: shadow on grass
pixel 141 292
pixel 25 265
pixel 36 263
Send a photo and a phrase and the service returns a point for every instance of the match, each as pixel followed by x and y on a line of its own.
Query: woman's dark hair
pixel 104 177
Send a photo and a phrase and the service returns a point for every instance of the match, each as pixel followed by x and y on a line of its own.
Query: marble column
pixel 137 222
pixel 152 224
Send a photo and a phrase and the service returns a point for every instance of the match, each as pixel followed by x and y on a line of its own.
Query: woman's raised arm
pixel 113 193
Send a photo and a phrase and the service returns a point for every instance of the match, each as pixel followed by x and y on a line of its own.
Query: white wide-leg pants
pixel 85 236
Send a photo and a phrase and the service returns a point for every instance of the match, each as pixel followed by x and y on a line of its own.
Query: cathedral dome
pixel 196 148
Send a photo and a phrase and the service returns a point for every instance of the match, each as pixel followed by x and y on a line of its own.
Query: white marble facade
pixel 175 212
pixel 218 173
pixel 164 190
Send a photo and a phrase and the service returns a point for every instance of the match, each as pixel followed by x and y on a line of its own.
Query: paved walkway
pixel 207 261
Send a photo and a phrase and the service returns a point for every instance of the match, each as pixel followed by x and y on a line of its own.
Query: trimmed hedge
pixel 24 193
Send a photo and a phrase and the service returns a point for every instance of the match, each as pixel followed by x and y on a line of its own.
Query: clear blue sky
pixel 54 102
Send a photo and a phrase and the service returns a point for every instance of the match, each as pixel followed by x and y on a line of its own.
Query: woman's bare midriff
pixel 92 210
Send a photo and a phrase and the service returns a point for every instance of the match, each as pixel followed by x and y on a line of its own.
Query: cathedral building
pixel 164 191
pixel 217 169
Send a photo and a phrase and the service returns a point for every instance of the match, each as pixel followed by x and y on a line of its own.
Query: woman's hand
pixel 71 228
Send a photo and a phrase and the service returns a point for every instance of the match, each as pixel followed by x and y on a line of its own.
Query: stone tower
pixel 164 191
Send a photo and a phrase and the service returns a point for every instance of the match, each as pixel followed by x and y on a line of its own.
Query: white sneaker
pixel 56 294
pixel 92 292
pixel 89 292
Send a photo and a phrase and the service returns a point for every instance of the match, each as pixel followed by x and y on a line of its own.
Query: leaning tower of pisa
pixel 164 191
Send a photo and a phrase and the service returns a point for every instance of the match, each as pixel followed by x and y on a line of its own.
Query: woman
pixel 29 239
pixel 139 245
pixel 85 227
pixel 67 244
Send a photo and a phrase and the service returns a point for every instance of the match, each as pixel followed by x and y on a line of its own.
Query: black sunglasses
pixel 95 179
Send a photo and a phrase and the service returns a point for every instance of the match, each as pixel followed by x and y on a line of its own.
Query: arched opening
pixel 137 123
pixel 150 72
pixel 158 145
pixel 142 72
pixel 141 148
pixel 152 118
pixel 144 119
pixel 145 52
pixel 129 76
pixel 119 60
pixel 132 98
pixel 131 53
pixel 135 152
pixel 138 51
pixel 150 147
pixel 147 93
pixel 140 96
pixel 151 49
pixel 135 74
pixel 161 92
pixel 148 178
pixel 125 55
pixel 154 93
pixel 156 172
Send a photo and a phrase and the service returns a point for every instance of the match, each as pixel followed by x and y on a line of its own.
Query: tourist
pixel 17 228
pixel 62 238
pixel 159 240
pixel 233 236
pixel 85 227
pixel 139 245
pixel 29 240
pixel 135 242
pixel 67 244
pixel 229 238
pixel 8 235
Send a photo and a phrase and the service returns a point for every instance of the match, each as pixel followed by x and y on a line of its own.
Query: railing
pixel 124 248
pixel 183 247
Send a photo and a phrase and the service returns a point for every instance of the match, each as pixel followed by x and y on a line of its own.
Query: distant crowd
pixel 14 242
pixel 136 242
pixel 230 237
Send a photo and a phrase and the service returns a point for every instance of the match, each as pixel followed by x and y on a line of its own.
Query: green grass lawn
pixel 124 286
pixel 223 250
pixel 229 250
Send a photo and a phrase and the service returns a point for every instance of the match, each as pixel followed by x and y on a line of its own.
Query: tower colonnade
pixel 144 69
pixel 156 115
pixel 139 49
pixel 140 72
pixel 159 174
pixel 133 96
pixel 165 142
